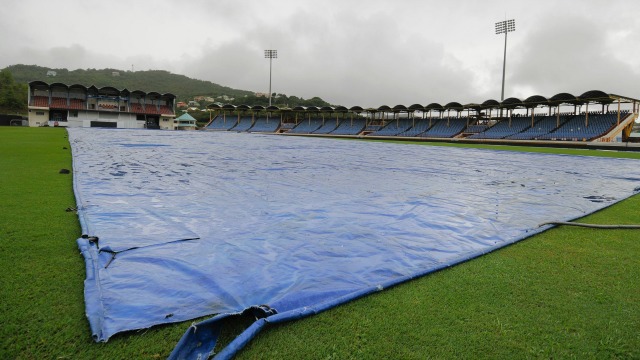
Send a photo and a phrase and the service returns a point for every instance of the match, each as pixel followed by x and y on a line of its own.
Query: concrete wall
pixel 38 117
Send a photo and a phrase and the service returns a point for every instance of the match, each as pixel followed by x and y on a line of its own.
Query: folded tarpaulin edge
pixel 84 224
pixel 94 309
pixel 248 334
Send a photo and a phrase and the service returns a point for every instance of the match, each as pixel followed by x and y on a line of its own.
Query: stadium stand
pixel 504 128
pixel 350 127
pixel 151 109
pixel 307 126
pixel 542 126
pixel 265 125
pixel 164 109
pixel 577 128
pixel 137 108
pixel 223 123
pixel 421 125
pixel 393 128
pixel 40 101
pixel 328 126
pixel 446 128
pixel 76 104
pixel 373 127
pixel 58 103
pixel 476 128
pixel 244 125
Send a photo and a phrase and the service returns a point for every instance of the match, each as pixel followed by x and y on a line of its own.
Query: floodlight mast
pixel 504 27
pixel 270 54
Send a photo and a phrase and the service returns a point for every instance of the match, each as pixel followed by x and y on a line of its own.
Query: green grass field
pixel 565 293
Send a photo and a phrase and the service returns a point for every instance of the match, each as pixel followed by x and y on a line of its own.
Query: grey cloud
pixel 343 59
pixel 571 54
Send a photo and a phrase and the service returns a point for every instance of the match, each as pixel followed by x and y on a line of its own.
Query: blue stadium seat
pixel 393 128
pixel 244 125
pixel 504 128
pixel 307 126
pixel 265 125
pixel 328 126
pixel 444 128
pixel 350 127
pixel 223 123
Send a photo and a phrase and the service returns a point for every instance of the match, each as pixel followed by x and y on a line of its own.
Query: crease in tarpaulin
pixel 202 345
pixel 200 339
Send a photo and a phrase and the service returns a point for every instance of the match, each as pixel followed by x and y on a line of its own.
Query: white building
pixel 79 106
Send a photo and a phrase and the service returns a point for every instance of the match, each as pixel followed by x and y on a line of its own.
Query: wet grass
pixel 566 293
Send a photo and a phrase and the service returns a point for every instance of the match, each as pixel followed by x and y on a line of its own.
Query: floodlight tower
pixel 504 27
pixel 270 54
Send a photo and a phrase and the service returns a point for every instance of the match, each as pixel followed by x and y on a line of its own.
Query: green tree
pixel 12 96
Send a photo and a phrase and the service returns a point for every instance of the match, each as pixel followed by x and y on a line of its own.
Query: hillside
pixel 161 81
pixel 152 80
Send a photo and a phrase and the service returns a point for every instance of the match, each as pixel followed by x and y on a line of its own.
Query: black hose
pixel 595 226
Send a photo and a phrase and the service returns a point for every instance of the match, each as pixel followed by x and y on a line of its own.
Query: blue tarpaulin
pixel 179 225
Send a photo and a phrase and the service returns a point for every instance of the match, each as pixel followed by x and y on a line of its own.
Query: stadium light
pixel 270 54
pixel 504 27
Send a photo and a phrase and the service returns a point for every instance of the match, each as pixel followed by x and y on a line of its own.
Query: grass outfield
pixel 565 293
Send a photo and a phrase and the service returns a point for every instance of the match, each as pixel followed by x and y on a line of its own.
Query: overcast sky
pixel 348 52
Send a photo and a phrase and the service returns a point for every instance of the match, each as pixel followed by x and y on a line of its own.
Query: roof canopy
pixel 512 103
pixel 473 106
pixel 596 96
pixel 490 104
pixel 535 101
pixel 563 98
pixel 434 106
pixel 454 106
pixel 107 90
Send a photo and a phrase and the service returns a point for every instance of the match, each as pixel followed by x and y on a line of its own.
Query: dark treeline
pixel 161 81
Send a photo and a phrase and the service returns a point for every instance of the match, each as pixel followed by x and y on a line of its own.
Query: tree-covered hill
pixel 161 81
pixel 150 80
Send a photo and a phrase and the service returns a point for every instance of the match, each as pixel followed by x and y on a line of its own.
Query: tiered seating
pixel 151 109
pixel 223 123
pixel 476 128
pixel 441 130
pixel 76 104
pixel 40 101
pixel 307 126
pixel 373 128
pixel 329 126
pixel 58 103
pixel 137 108
pixel 244 124
pixel 394 128
pixel 164 109
pixel 350 127
pixel 542 125
pixel 575 129
pixel 421 125
pixel 502 129
pixel 265 125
